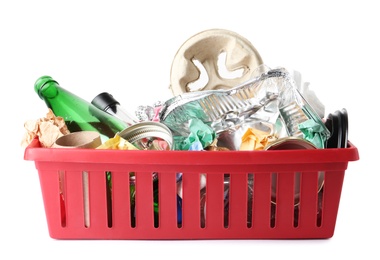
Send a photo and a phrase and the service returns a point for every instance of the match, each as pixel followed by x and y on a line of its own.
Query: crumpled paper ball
pixel 47 129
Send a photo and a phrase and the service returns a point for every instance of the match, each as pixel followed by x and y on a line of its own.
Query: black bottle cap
pixel 104 101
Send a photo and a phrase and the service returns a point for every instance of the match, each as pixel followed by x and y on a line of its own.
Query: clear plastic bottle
pixel 79 115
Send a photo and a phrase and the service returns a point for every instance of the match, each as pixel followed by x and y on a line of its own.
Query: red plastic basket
pixel 78 204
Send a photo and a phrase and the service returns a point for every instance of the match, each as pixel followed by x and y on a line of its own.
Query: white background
pixel 126 48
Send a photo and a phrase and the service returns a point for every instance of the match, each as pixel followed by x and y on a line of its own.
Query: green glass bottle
pixel 78 114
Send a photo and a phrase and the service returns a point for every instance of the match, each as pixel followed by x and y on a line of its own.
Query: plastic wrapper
pixel 200 137
pixel 313 133
pixel 309 95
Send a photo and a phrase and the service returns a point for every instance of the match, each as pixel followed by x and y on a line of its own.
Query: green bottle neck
pixel 46 87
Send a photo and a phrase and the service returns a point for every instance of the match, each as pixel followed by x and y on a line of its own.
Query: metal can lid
pixel 144 133
pixel 290 143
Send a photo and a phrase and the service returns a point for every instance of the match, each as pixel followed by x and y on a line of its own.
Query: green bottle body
pixel 78 114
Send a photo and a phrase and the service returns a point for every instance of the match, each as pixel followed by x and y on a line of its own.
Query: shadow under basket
pixel 114 194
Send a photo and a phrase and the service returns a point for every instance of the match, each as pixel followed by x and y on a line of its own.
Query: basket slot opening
pixel 297 187
pixel 273 204
pixel 179 212
pixel 179 199
pixel 132 193
pixel 310 199
pixel 203 198
pixel 62 197
pixel 296 215
pixel 86 199
pixel 226 185
pixel 319 211
pixel 214 200
pixel 317 193
pixel 146 199
pixel 156 191
pixel 321 175
pixel 108 178
pixel 250 180
pixel 218 190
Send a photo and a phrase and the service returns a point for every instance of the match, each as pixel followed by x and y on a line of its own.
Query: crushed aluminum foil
pixel 222 109
pixel 271 96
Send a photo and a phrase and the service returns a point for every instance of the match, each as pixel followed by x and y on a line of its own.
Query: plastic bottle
pixel 109 104
pixel 78 114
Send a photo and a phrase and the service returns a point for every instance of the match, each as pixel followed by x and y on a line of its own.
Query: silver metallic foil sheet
pixel 266 98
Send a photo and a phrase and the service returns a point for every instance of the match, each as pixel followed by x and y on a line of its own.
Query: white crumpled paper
pixel 47 129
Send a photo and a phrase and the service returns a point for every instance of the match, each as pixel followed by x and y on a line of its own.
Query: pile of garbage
pixel 261 109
